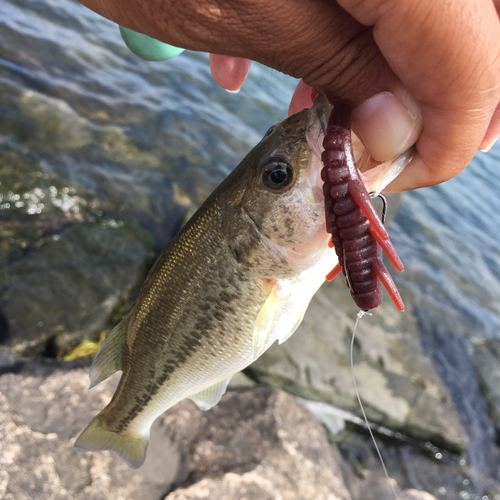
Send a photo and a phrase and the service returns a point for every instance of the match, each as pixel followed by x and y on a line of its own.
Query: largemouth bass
pixel 238 277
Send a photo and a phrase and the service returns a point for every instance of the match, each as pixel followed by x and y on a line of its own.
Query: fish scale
pixel 186 336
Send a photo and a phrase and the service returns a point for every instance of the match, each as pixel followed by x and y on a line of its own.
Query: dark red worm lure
pixel 358 235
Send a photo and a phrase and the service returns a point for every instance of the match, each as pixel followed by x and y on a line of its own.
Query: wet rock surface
pixel 73 246
pixel 69 288
pixel 487 361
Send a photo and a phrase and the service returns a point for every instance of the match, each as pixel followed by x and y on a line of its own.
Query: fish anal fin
pixel 96 437
pixel 268 317
pixel 109 356
pixel 210 396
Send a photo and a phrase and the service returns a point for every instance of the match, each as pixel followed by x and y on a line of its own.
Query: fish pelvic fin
pixel 130 447
pixel 109 356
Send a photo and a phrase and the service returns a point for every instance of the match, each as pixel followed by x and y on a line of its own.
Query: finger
pixel 317 40
pixel 445 54
pixel 446 146
pixel 302 98
pixel 386 127
pixel 229 72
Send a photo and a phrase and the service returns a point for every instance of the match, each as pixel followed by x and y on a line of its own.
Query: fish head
pixel 278 224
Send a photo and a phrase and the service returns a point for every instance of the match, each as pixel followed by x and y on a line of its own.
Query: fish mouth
pixel 377 178
pixel 375 175
pixel 317 120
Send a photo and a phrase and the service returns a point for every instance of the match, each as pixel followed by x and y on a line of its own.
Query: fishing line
pixel 360 314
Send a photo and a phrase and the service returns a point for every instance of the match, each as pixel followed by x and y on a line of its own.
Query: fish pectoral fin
pixel 210 396
pixel 268 317
pixel 109 356
pixel 297 320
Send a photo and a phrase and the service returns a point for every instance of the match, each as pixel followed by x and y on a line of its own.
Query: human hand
pixel 439 60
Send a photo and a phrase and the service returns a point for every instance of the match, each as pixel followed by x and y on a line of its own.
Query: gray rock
pixel 398 385
pixel 34 205
pixel 270 447
pixel 375 486
pixel 258 441
pixel 67 290
pixel 411 466
pixel 42 410
pixel 487 363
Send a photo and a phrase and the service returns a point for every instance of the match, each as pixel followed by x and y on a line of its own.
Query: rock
pixel 259 441
pixel 44 405
pixel 269 446
pixel 457 362
pixel 487 363
pixel 66 265
pixel 416 470
pixel 412 494
pixel 68 289
pixel 375 486
pixel 34 205
pixel 54 123
pixel 397 383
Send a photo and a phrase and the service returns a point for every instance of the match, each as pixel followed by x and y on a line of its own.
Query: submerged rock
pixel 487 363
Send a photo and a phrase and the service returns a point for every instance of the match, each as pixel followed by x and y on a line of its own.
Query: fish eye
pixel 277 174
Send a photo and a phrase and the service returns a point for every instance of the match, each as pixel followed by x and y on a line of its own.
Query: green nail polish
pixel 148 48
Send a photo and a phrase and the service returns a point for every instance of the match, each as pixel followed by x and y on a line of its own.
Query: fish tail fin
pixel 130 447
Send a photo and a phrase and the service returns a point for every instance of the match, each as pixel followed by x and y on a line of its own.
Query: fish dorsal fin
pixel 210 396
pixel 297 320
pixel 109 356
pixel 268 317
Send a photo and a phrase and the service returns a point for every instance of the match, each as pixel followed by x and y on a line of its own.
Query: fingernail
pixel 489 146
pixel 386 126
pixel 229 72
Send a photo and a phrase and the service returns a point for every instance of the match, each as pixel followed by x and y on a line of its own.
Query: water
pixel 448 237
pixel 92 135
pixel 98 119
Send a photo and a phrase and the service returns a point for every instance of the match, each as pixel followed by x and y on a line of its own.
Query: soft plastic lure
pixel 358 235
